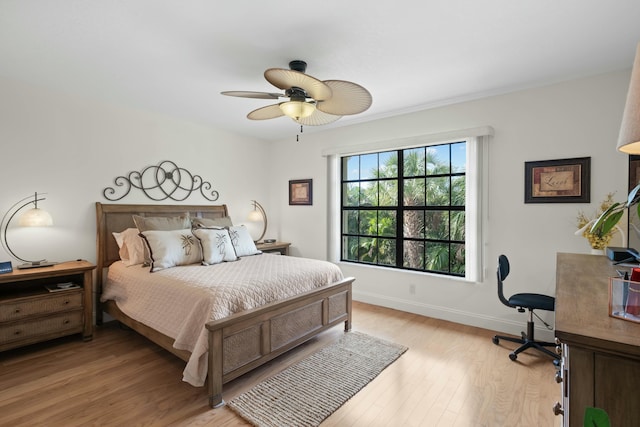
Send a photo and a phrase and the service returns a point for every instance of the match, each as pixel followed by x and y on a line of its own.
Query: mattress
pixel 179 301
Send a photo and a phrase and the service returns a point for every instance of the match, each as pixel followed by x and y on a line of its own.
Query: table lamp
pixel 258 214
pixel 34 217
pixel 629 138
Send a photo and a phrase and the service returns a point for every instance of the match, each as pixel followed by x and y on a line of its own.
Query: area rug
pixel 309 391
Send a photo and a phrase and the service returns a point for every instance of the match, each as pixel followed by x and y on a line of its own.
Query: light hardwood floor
pixel 452 375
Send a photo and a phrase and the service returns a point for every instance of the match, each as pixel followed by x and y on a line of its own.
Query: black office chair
pixel 530 302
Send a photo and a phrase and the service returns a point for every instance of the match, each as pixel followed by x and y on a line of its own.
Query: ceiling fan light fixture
pixel 297 109
pixel 311 102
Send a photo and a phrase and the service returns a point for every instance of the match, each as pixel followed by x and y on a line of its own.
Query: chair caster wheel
pixel 495 340
pixel 513 356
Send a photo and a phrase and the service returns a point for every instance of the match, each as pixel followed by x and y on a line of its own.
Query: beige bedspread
pixel 179 301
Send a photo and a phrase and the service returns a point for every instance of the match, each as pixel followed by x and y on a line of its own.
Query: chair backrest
pixel 502 273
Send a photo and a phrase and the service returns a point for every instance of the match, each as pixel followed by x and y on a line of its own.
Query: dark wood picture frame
pixel 301 192
pixel 558 181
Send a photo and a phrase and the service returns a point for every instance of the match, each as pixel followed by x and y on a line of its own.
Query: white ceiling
pixel 176 56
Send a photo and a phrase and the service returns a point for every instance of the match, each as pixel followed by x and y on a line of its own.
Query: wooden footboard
pixel 244 341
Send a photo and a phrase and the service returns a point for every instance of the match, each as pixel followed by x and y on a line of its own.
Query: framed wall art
pixel 558 181
pixel 301 192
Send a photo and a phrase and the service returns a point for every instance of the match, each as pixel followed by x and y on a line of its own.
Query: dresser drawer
pixel 41 304
pixel 51 325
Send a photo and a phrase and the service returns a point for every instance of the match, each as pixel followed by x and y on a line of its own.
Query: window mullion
pixel 400 212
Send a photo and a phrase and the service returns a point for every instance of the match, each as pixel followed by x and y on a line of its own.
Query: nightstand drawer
pixel 63 322
pixel 41 304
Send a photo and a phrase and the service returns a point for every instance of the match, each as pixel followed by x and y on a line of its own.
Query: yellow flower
pixel 598 242
pixel 595 240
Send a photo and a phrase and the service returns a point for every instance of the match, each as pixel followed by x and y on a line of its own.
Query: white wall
pixel 73 148
pixel 579 118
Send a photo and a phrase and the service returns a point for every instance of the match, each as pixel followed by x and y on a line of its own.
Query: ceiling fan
pixel 310 101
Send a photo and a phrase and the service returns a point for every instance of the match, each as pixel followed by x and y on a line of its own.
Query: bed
pixel 239 342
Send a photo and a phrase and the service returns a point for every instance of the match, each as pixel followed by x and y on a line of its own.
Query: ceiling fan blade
pixel 286 79
pixel 318 118
pixel 248 94
pixel 264 113
pixel 348 98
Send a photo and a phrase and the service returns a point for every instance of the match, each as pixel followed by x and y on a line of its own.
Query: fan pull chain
pixel 298 136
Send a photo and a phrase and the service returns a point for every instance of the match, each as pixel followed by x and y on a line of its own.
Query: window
pixel 406 208
pixel 344 212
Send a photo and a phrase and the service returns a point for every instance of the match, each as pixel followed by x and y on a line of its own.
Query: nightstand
pixel 33 308
pixel 282 247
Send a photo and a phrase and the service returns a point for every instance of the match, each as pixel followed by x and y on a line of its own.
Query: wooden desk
pixel 601 354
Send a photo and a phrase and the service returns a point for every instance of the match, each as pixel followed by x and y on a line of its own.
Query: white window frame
pixel 476 210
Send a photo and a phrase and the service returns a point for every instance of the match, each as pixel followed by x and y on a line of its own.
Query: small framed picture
pixel 301 192
pixel 558 181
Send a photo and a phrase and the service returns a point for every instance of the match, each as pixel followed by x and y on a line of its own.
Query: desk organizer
pixel 624 299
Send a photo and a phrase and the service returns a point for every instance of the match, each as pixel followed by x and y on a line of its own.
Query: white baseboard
pixel 453 315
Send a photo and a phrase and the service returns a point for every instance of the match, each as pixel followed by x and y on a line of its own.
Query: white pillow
pixel 169 248
pixel 242 241
pixel 146 223
pixel 131 246
pixel 216 245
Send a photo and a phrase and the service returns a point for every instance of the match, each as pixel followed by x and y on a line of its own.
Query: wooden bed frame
pixel 243 341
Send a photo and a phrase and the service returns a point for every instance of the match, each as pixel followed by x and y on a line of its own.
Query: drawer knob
pixel 557 409
pixel 558 377
pixel 17 311
pixel 66 301
pixel 16 333
pixel 66 321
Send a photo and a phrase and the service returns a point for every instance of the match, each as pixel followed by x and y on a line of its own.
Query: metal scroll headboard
pixel 161 182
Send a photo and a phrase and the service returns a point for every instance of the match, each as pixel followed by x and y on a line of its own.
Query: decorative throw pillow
pixel 169 248
pixel 131 246
pixel 211 222
pixel 216 245
pixel 242 241
pixel 146 223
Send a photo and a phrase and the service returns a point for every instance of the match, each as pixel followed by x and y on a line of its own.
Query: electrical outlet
pixel 412 289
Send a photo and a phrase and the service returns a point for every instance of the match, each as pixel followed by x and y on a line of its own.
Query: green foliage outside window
pixel 426 194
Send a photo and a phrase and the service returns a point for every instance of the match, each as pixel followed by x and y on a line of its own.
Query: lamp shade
pixel 297 109
pixel 35 217
pixel 629 138
pixel 258 214
pixel 255 216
